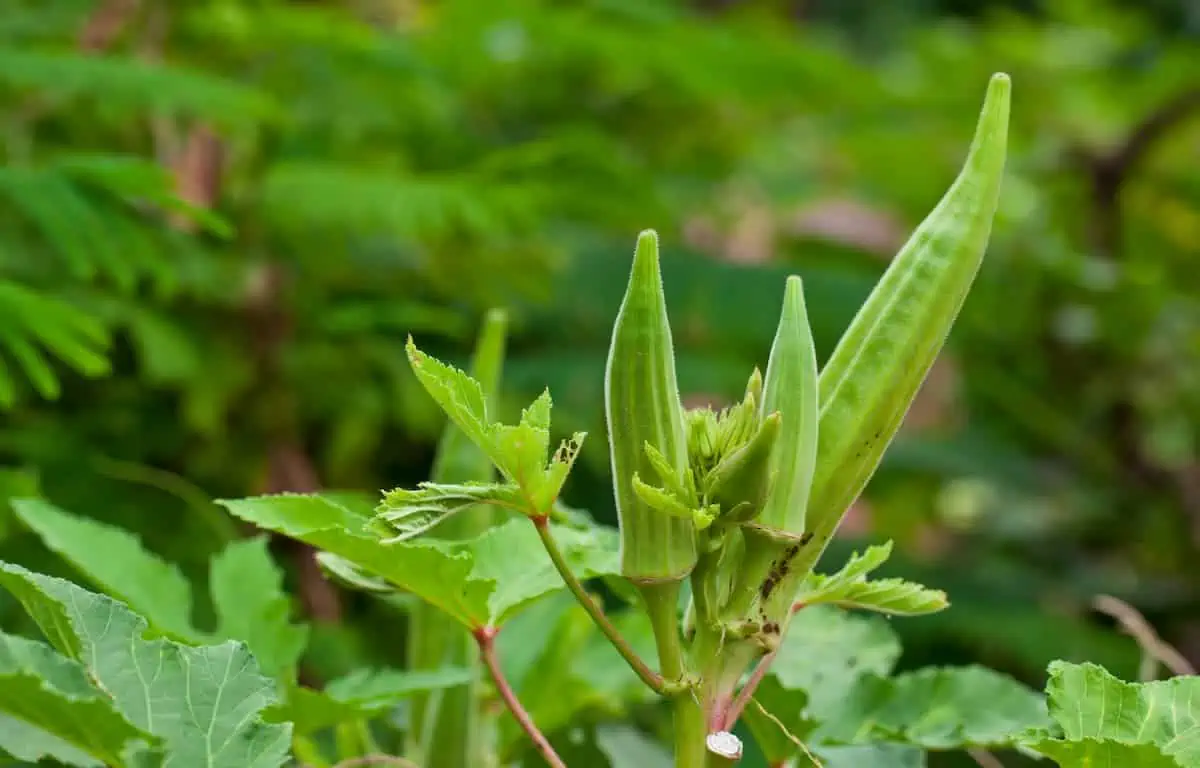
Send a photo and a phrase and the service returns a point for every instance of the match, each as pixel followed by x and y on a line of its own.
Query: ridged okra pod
pixel 447 725
pixel 642 406
pixel 870 380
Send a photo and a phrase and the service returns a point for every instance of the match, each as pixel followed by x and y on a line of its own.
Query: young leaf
pixel 47 692
pixel 478 582
pixel 216 722
pixel 405 514
pixel 1106 721
pixel 360 695
pixel 521 451
pixel 850 588
pixel 247 590
pixel 115 561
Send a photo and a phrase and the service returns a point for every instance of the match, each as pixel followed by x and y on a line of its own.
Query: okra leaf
pixel 479 582
pixel 361 695
pixel 29 744
pixel 521 452
pixel 56 711
pixel 1102 720
pixel 873 755
pixel 251 606
pixel 405 514
pixel 938 708
pixel 349 575
pixel 626 745
pixel 217 722
pixel 849 588
pixel 115 561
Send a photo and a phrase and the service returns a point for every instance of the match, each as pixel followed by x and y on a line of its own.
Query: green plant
pixel 737 506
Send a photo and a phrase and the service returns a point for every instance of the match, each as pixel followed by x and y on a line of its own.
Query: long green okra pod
pixel 447 728
pixel 874 373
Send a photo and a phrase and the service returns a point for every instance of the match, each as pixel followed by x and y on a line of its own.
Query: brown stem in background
pixel 486 637
pixel 1135 625
pixel 105 24
pixel 984 758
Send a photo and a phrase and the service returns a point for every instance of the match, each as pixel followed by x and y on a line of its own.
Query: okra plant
pixel 723 516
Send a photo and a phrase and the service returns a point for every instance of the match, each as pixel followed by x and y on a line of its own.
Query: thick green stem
pixel 647 675
pixel 691 729
pixel 662 601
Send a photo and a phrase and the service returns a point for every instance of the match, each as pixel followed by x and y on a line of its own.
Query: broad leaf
pixel 872 756
pixel 936 708
pixel 825 653
pixel 850 588
pixel 29 744
pixel 363 694
pixel 479 582
pixel 247 591
pixel 349 575
pixel 216 722
pixel 51 694
pixel 1105 719
pixel 115 561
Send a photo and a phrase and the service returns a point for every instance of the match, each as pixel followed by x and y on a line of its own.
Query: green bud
pixel 791 389
pixel 741 481
pixel 643 408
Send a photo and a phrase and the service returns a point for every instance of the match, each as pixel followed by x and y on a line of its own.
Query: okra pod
pixel 642 406
pixel 874 373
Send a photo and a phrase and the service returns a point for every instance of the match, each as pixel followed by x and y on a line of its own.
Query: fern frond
pixel 134 84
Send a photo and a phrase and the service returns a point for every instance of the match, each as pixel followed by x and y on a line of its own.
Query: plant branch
pixel 1135 625
pixel 486 637
pixel 743 698
pixel 647 675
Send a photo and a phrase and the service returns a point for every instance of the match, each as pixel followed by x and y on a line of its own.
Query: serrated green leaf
pixel 1104 718
pixel 216 722
pixel 937 708
pixel 251 606
pixel 520 451
pixel 849 588
pixel 440 578
pixel 405 514
pixel 50 693
pixel 115 561
pixel 362 694
pixel 478 582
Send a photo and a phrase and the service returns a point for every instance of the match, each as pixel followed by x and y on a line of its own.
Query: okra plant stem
pixel 486 639
pixel 647 675
pixel 743 698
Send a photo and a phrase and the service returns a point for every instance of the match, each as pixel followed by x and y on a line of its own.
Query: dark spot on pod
pixel 771 628
pixel 806 537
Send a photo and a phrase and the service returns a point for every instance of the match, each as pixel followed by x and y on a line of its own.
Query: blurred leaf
pixel 115 561
pixel 247 590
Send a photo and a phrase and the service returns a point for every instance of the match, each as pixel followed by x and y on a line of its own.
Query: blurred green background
pixel 219 220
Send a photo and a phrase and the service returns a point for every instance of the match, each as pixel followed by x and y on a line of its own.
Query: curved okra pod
pixel 641 400
pixel 874 373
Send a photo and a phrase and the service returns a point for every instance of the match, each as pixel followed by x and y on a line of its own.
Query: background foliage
pixel 220 218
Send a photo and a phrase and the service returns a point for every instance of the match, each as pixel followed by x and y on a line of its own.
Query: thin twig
pixel 786 733
pixel 648 676
pixel 747 692
pixel 984 758
pixel 1135 625
pixel 486 637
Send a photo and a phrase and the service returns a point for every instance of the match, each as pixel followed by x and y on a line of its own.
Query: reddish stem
pixel 743 698
pixel 485 637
